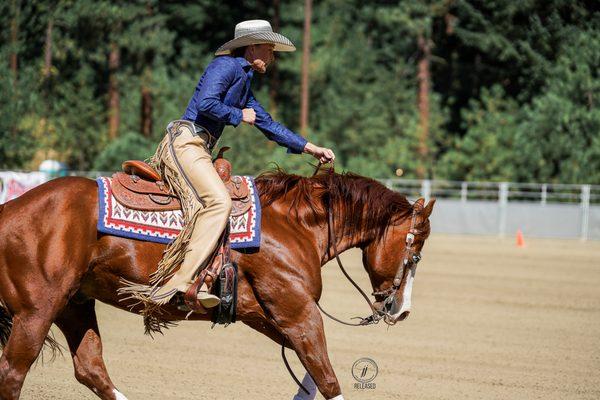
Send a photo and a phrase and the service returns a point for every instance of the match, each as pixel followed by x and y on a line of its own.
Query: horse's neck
pixel 344 239
pixel 316 224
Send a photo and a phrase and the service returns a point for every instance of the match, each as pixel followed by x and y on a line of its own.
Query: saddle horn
pixel 221 151
pixel 222 165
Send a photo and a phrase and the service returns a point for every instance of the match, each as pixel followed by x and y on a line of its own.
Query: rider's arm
pixel 217 79
pixel 274 130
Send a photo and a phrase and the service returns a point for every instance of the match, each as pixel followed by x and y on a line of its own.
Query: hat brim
pixel 281 42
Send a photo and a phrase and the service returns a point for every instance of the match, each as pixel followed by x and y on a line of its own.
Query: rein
pixel 411 257
pixel 375 316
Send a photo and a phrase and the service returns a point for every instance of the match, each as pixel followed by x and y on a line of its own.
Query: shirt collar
pixel 244 63
pixel 246 67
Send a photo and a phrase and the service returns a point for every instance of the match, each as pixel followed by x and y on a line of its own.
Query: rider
pixel 222 97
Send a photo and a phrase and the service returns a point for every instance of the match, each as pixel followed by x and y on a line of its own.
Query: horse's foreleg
pixel 23 347
pixel 307 336
pixel 271 332
pixel 80 327
pixel 297 317
pixel 268 330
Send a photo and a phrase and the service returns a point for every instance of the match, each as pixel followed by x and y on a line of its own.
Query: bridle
pixel 411 258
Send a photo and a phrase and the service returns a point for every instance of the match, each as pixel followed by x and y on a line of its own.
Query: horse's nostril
pixel 403 316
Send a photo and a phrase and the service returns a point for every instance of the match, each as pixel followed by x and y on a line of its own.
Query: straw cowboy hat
pixel 256 31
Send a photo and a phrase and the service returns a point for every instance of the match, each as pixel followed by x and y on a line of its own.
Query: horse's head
pixel 391 261
pixel 359 212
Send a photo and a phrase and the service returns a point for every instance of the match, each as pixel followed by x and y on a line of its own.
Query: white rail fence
pixel 501 208
pixel 482 208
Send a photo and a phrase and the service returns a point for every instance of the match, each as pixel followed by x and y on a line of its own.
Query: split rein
pixel 411 257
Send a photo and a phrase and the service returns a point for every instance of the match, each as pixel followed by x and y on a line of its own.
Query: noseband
pixel 411 257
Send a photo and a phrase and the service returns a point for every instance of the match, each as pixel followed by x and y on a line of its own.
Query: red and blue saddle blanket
pixel 164 226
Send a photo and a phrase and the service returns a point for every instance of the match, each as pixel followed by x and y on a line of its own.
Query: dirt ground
pixel 489 321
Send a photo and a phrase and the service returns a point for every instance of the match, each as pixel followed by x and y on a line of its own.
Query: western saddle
pixel 140 187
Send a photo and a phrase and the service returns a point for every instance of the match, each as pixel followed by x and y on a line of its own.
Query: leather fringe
pixel 173 255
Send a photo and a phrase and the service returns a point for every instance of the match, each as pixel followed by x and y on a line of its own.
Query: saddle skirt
pixel 140 194
pixel 140 188
pixel 136 208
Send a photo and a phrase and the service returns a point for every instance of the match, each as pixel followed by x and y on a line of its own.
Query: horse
pixel 54 266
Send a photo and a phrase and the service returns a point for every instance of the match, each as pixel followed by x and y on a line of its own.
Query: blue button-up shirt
pixel 221 94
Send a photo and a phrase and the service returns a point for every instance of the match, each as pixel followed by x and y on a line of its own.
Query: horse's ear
pixel 428 208
pixel 419 203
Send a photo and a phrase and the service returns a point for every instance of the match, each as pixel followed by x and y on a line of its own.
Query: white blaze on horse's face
pixel 400 311
pixel 119 395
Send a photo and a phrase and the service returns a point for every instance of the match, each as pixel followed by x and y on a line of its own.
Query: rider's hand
pixel 248 116
pixel 323 154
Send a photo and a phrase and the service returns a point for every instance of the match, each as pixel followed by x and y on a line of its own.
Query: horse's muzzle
pixel 397 312
pixel 400 307
pixel 401 317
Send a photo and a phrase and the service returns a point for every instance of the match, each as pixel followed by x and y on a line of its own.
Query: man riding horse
pixel 222 97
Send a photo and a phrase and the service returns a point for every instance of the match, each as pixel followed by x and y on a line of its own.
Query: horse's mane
pixel 368 205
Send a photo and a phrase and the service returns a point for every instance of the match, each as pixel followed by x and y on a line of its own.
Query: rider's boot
pixel 223 257
pixel 206 299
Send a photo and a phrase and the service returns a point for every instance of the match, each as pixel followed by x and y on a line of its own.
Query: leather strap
pixel 191 295
pixel 375 316
pixel 287 365
pixel 209 274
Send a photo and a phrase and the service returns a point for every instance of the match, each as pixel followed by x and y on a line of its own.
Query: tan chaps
pixel 186 162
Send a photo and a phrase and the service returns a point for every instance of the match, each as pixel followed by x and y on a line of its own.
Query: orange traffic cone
pixel 520 239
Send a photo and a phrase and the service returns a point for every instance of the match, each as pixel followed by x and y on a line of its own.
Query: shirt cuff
pixel 297 146
pixel 235 117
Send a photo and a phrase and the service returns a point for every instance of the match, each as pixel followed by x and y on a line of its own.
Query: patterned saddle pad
pixel 164 226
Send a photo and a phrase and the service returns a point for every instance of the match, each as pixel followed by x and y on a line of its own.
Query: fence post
pixel 389 184
pixel 426 189
pixel 544 193
pixel 585 211
pixel 502 206
pixel 463 192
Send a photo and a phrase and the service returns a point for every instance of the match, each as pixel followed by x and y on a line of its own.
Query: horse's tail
pixel 5 318
pixel 6 323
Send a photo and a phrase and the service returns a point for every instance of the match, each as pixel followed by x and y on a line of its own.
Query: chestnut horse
pixel 54 265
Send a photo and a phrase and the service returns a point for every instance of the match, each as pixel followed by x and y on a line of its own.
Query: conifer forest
pixel 498 90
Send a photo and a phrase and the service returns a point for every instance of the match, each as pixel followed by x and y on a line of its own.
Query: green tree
pixel 560 136
pixel 511 93
pixel 486 151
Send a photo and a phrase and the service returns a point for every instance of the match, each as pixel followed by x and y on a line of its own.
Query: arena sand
pixel 489 321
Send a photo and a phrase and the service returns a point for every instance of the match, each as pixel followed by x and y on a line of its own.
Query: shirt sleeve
pixel 274 130
pixel 218 77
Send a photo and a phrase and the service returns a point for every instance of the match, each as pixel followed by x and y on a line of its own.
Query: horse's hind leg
pixel 78 324
pixel 24 344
